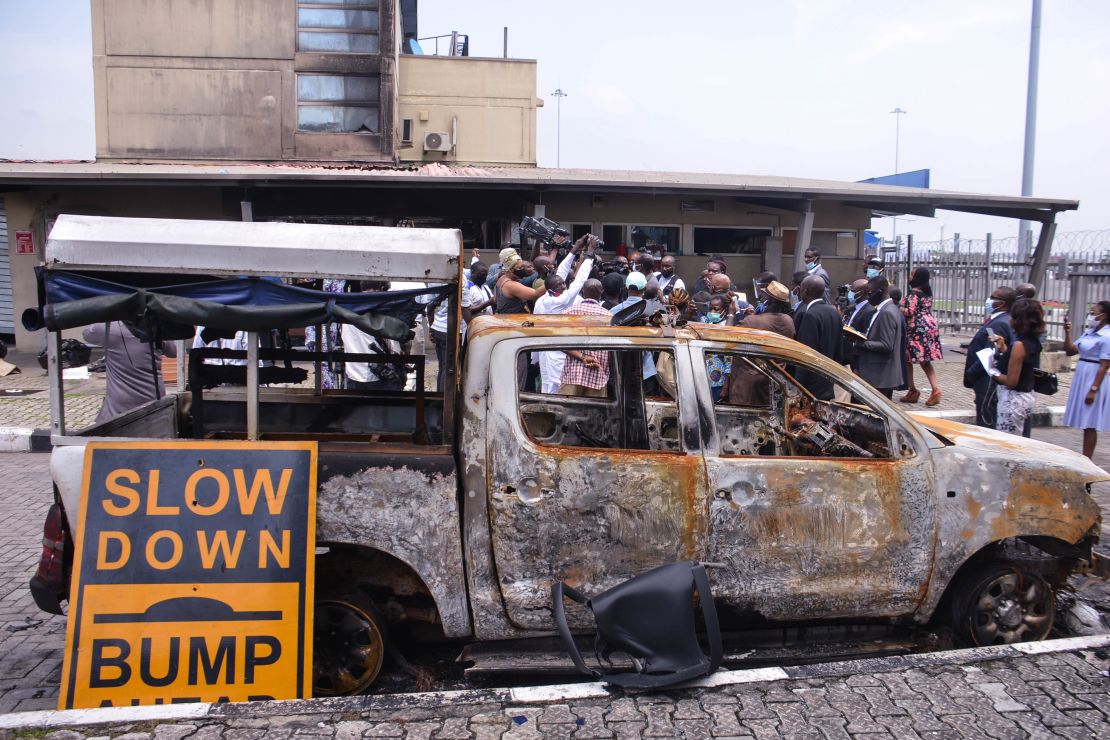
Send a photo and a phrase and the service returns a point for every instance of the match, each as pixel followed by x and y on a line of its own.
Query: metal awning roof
pixel 788 193
pixel 262 249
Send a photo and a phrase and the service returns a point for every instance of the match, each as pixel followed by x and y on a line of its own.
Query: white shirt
pixel 876 315
pixel 549 303
pixel 439 319
pixel 239 342
pixel 479 294
pixel 356 341
pixel 675 282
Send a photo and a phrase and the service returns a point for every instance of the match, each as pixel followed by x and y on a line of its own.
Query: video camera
pixel 545 230
pixel 842 297
pixel 611 266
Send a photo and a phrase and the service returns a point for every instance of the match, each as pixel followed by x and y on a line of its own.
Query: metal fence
pixel 965 271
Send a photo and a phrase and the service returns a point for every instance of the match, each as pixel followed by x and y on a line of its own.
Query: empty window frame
pixel 634 409
pixel 329 103
pixel 761 410
pixel 338 27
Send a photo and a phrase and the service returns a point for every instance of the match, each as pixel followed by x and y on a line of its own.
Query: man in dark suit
pixel 818 327
pixel 859 316
pixel 998 321
pixel 814 267
pixel 880 357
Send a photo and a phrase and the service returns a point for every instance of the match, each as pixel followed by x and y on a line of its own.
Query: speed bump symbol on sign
pixel 193 578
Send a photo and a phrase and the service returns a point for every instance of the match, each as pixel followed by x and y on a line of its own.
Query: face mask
pixel 522 274
pixel 989 305
pixel 713 318
pixel 1092 322
pixel 872 272
pixel 876 299
pixel 852 298
pixel 811 266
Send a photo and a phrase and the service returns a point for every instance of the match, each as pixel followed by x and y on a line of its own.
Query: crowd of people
pixel 1015 328
pixel 873 328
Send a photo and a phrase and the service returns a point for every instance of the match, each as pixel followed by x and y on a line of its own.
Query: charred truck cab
pixel 459 510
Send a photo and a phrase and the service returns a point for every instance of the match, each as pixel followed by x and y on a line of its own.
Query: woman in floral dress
pixel 923 335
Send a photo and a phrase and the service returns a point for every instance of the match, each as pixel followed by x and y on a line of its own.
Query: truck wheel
pixel 1000 604
pixel 348 645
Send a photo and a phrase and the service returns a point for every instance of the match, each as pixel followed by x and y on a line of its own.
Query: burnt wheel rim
pixel 1012 607
pixel 348 648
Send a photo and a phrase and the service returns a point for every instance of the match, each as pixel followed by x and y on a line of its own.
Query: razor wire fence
pixel 963 272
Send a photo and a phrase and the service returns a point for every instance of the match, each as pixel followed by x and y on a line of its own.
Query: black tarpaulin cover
pixel 235 304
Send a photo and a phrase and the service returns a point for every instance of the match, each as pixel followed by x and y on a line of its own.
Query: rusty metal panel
pixel 805 537
pixel 591 517
pixel 992 486
pixel 408 509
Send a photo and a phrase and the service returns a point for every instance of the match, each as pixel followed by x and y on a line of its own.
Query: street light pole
pixel 559 95
pixel 898 113
pixel 1030 125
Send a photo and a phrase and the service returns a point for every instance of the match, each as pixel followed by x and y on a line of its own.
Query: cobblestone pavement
pixel 31 642
pixel 1062 694
pixel 1037 696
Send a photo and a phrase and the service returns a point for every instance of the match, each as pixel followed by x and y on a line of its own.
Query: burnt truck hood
pixel 1049 457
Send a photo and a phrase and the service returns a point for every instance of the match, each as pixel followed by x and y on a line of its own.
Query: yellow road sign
pixel 193 578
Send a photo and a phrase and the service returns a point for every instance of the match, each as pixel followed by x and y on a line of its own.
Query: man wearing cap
pixel 636 283
pixel 874 268
pixel 747 386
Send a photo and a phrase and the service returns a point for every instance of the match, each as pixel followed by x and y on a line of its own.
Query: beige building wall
pixel 489 104
pixel 217 79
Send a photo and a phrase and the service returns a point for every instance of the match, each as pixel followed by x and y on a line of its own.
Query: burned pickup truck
pixel 454 513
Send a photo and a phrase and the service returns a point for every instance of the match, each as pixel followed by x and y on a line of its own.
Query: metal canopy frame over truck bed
pixel 93 244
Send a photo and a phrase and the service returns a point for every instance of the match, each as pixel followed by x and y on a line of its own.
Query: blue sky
pixel 794 87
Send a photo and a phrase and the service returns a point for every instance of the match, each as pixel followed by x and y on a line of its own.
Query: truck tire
pixel 349 644
pixel 1000 603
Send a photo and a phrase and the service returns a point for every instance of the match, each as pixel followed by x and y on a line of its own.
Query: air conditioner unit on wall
pixel 437 141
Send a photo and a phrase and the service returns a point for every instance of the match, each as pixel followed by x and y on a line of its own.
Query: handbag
pixel 1045 382
pixel 651 620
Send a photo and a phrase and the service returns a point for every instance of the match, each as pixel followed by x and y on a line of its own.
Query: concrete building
pixel 297 110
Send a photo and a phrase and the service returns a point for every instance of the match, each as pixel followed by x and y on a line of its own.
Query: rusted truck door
pixel 804 534
pixel 590 490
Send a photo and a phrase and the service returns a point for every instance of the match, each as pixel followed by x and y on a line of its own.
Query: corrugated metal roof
pixel 774 191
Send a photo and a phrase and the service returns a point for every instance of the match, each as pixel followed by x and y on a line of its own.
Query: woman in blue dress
pixel 1088 405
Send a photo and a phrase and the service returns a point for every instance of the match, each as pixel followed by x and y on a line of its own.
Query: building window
pixel 656 239
pixel 338 27
pixel 612 235
pixel 715 240
pixel 338 103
